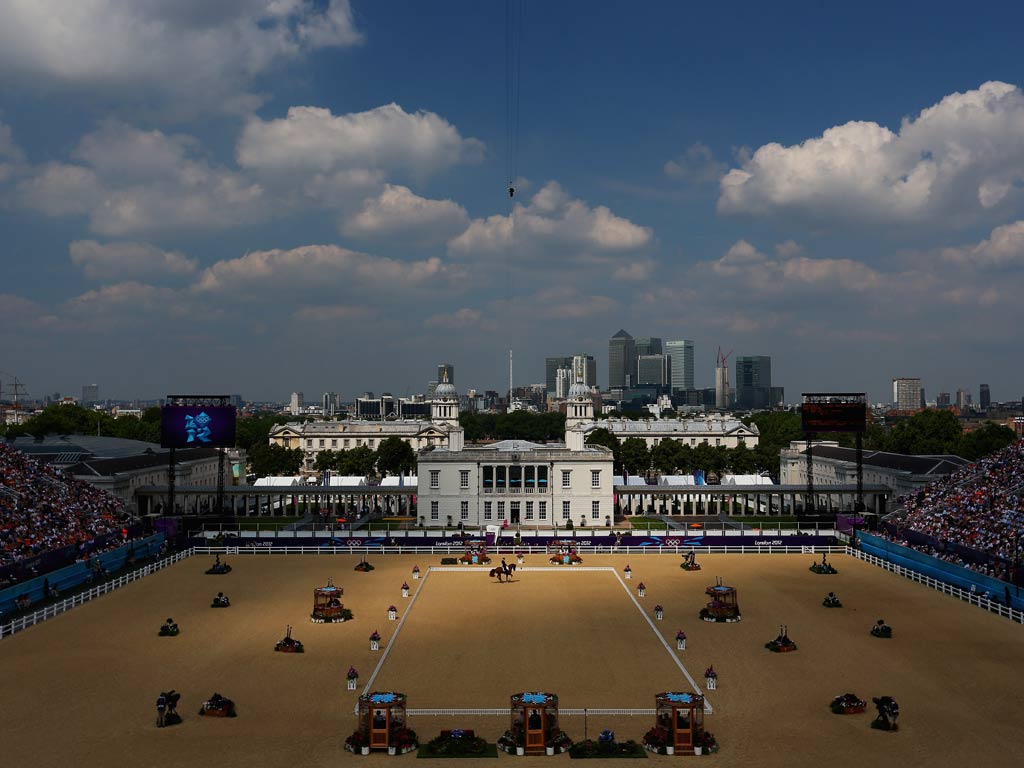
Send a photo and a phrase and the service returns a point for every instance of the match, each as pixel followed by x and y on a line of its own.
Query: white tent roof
pixel 348 480
pixel 397 480
pixel 676 480
pixel 746 480
pixel 280 480
pixel 617 480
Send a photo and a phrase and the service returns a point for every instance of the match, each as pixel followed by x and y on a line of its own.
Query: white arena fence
pixel 23 622
pixel 56 609
pixel 941 586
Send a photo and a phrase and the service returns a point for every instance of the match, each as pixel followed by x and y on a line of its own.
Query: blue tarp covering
pixel 927 565
pixel 71 576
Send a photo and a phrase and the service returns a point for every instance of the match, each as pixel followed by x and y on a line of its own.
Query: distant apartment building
pixel 984 398
pixel 297 403
pixel 581 367
pixel 942 400
pixel 680 364
pixel 963 400
pixel 331 404
pixel 90 394
pixel 906 394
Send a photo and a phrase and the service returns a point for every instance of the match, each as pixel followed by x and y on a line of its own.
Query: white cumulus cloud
pixel 552 224
pixel 951 164
pixel 1003 248
pixel 185 53
pixel 398 211
pixel 128 261
pixel 312 140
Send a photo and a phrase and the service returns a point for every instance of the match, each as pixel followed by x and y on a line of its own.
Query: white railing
pixel 940 586
pixel 50 611
pixel 457 549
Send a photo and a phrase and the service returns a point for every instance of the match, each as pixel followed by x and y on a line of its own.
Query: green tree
pixel 667 456
pixel 274 460
pixel 358 461
pixel 987 439
pixel 635 456
pixel 395 457
pixel 927 432
pixel 326 460
pixel 741 461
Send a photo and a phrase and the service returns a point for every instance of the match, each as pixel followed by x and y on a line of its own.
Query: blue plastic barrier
pixel 73 575
pixel 927 565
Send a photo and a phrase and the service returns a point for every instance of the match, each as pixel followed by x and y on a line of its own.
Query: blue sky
pixel 257 196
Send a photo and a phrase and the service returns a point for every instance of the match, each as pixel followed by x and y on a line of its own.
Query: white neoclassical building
pixel 515 481
pixel 316 436
pixel 714 430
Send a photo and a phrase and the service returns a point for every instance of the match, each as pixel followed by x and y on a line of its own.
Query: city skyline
pixel 266 197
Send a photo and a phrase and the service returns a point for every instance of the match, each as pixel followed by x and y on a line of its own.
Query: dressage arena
pixel 79 690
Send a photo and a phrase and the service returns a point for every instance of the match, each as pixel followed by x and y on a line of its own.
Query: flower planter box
pixel 392 750
pixel 549 750
pixel 520 751
pixel 353 683
pixel 375 645
pixel 392 615
pixel 698 750
pixel 681 644
pixel 364 751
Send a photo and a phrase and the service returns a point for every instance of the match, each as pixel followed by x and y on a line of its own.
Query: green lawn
pixel 647 523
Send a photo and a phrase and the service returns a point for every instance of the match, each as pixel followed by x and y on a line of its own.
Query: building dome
pixel 446 391
pixel 579 390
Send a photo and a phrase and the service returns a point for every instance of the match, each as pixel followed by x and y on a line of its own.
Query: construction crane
pixel 722 360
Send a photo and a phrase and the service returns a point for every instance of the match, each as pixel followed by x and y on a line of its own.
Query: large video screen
pixel 834 417
pixel 197 426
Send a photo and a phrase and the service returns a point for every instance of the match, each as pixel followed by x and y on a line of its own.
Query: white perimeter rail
pixel 17 625
pixel 459 549
pixel 562 712
pixel 941 586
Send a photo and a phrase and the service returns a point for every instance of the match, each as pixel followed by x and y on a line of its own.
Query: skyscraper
pixel 753 381
pixel 650 369
pixel 648 345
pixel 551 368
pixel 680 362
pixel 906 394
pixel 621 360
pixel 963 400
pixel 584 369
pixel 984 397
pixel 297 404
pixel 90 394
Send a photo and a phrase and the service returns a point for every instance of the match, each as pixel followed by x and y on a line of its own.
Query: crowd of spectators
pixel 42 509
pixel 978 507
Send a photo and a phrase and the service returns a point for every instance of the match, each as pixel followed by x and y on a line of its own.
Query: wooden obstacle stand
pixel 831 601
pixel 848 704
pixel 218 568
pixel 475 554
pixel 679 725
pixel 881 629
pixel 363 566
pixel 824 567
pixel 690 562
pixel 723 606
pixel 289 644
pixel 382 724
pixel 534 727
pixel 782 643
pixel 169 629
pixel 888 714
pixel 218 706
pixel 327 606
pixel 220 601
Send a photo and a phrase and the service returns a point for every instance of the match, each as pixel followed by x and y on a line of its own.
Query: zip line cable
pixel 513 78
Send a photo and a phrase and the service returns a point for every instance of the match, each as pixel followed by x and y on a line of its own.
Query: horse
pixel 507 571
